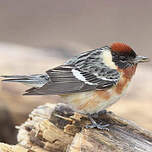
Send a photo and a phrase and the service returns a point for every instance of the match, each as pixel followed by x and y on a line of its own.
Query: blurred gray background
pixel 36 35
pixel 45 23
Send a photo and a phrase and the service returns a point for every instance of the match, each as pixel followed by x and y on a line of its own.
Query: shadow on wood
pixel 56 128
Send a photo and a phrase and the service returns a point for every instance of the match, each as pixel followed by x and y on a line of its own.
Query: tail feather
pixel 36 80
pixel 13 76
pixel 16 78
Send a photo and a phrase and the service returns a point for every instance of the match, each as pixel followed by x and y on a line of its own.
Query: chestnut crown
pixel 124 56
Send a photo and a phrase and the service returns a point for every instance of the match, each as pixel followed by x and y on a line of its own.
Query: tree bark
pixel 56 128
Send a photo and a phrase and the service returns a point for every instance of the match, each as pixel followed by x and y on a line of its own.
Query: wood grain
pixel 56 128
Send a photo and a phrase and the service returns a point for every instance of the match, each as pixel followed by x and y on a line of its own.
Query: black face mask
pixel 124 59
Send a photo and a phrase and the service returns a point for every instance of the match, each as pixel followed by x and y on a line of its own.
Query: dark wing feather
pixel 95 75
pixel 62 81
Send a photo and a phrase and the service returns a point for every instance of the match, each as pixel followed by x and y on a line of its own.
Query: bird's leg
pixel 96 125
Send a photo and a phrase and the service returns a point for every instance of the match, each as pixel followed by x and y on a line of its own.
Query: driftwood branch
pixel 56 128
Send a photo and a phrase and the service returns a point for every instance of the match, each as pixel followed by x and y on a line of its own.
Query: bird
pixel 89 82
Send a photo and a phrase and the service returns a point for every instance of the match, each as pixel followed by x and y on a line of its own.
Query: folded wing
pixel 67 79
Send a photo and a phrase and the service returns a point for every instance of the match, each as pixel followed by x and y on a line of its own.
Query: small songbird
pixel 89 82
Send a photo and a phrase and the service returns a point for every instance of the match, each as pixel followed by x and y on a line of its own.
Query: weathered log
pixel 56 128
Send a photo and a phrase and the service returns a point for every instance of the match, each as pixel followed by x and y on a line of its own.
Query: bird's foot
pixel 97 125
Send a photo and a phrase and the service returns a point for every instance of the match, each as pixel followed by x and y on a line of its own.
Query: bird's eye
pixel 132 54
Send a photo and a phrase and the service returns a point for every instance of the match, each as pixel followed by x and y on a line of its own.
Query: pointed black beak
pixel 139 59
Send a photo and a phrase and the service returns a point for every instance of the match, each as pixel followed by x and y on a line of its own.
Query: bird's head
pixel 124 56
